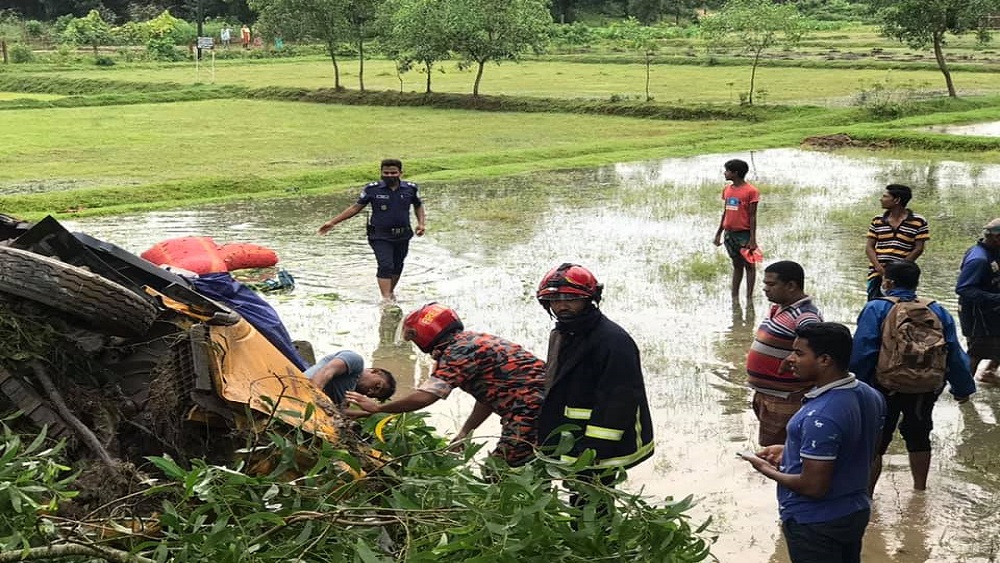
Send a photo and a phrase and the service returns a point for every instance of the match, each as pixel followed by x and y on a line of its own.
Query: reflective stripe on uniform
pixel 603 433
pixel 616 461
pixel 627 459
pixel 576 414
pixel 641 450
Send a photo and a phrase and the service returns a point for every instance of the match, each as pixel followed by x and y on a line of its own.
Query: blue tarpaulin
pixel 252 307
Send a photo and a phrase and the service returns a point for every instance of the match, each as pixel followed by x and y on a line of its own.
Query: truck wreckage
pixel 124 359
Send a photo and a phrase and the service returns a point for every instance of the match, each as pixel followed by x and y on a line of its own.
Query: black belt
pixel 392 231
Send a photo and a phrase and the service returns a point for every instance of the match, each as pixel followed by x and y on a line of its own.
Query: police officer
pixel 389 230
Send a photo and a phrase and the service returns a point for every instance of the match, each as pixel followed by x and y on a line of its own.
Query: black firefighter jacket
pixel 596 384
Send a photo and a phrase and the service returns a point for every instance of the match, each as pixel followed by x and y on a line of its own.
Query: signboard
pixel 206 42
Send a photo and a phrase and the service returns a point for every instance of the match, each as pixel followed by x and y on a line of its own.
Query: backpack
pixel 914 355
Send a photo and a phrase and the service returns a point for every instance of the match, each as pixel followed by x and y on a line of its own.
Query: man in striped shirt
pixel 898 234
pixel 778 391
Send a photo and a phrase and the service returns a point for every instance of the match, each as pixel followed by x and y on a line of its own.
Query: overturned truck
pixel 124 359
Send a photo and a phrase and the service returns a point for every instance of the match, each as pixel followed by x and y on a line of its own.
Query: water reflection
pixel 646 229
pixel 732 350
pixel 394 354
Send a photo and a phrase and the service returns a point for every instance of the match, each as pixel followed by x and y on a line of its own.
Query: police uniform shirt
pixel 390 208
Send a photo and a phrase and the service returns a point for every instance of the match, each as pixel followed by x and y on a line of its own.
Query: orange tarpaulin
pixel 202 255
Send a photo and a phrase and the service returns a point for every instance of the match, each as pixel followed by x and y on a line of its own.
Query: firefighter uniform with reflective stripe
pixel 594 382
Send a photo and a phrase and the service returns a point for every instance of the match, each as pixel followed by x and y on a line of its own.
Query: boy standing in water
pixel 738 226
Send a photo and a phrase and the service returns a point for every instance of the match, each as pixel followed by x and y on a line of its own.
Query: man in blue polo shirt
pixel 389 230
pixel 823 468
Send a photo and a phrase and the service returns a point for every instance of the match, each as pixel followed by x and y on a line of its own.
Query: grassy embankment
pixel 182 142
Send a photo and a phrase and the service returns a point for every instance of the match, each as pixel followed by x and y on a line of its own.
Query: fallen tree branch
pixel 81 429
pixel 58 551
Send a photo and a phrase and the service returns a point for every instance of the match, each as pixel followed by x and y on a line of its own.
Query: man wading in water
pixel 389 231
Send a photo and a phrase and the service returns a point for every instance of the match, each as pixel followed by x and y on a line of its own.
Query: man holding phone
pixel 823 468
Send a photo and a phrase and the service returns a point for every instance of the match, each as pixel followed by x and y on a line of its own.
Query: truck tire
pixel 99 302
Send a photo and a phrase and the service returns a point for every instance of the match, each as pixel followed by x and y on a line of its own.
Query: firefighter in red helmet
pixel 594 377
pixel 502 376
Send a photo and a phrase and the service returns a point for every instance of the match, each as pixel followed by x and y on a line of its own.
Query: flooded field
pixel 646 230
pixel 980 129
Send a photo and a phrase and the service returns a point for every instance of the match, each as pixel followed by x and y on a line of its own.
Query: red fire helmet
pixel 569 281
pixel 427 325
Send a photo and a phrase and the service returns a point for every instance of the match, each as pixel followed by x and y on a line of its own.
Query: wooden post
pixel 3 47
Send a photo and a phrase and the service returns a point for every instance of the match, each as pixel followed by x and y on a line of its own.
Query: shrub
pixel 576 34
pixel 34 29
pixel 162 49
pixel 104 60
pixel 20 53
pixel 884 100
pixel 132 33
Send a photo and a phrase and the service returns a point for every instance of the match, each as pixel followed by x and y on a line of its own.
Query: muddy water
pixel 646 231
pixel 981 129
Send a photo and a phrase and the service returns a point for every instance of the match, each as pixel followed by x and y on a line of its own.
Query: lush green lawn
pixel 157 155
pixel 123 145
pixel 22 95
pixel 571 80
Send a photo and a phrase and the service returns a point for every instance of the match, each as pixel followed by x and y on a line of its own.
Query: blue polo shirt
pixel 839 422
pixel 390 208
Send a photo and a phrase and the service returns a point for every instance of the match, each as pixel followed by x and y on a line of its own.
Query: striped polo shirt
pixel 773 342
pixel 892 245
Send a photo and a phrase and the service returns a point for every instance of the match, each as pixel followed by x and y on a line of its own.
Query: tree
pixel 637 37
pixel 319 20
pixel 754 26
pixel 359 14
pixel 921 22
pixel 647 11
pixel 496 30
pixel 563 11
pixel 418 33
pixel 89 30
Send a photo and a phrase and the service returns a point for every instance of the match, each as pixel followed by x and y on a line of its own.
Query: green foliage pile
pixel 34 482
pixel 417 502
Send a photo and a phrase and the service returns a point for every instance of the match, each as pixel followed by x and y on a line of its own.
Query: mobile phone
pixel 746 455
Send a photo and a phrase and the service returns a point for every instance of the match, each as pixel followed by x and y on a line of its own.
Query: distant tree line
pixel 562 11
pixel 120 11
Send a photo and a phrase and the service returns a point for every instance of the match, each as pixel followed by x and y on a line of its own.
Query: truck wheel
pixel 97 301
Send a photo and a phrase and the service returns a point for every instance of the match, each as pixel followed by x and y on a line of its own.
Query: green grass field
pixel 126 145
pixel 22 95
pixel 114 158
pixel 669 83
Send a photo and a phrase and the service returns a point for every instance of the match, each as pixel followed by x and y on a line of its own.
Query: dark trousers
pixel 834 541
pixel 390 255
pixel 916 410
